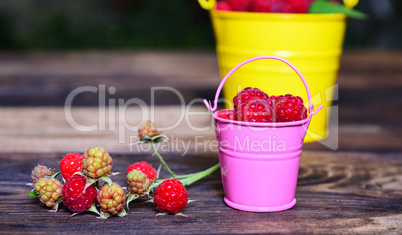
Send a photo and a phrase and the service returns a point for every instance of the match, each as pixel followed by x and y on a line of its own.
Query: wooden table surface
pixel 349 183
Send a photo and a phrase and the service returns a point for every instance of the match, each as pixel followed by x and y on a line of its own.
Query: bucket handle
pixel 218 91
pixel 207 4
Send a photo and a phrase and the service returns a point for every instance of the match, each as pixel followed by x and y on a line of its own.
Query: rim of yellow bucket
pixel 310 108
pixel 279 16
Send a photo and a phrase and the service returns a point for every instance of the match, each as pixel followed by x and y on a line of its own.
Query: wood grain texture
pixel 349 183
pixel 34 88
pixel 337 193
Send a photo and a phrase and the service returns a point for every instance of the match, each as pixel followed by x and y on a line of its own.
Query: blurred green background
pixel 154 24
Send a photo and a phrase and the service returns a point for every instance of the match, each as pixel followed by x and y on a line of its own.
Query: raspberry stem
pixel 196 176
pixel 190 178
pixel 162 161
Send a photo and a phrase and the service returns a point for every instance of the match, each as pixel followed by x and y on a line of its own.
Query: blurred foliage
pixel 104 24
pixel 160 24
pixel 383 28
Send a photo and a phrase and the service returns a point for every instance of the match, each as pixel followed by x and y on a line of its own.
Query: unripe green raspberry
pixel 137 182
pixel 49 191
pixel 148 128
pixel 96 163
pixel 39 172
pixel 111 198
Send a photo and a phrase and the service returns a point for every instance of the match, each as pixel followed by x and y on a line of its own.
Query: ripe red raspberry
pixel 240 5
pixel 264 5
pixel 247 94
pixel 145 168
pixel 223 6
pixel 255 110
pixel 226 114
pixel 74 196
pixel 289 108
pixel 170 196
pixel 70 164
pixel 299 6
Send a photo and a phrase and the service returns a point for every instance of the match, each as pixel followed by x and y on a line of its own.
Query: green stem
pixel 162 161
pixel 196 176
pixel 190 178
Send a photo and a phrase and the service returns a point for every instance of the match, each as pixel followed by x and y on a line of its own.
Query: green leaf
pixel 107 180
pixel 55 174
pixel 181 214
pixel 197 176
pixel 93 209
pixel 32 194
pixel 131 197
pixel 122 213
pixel 104 215
pixel 162 213
pixel 324 6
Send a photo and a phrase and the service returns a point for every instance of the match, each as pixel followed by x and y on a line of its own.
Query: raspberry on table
pixel 96 163
pixel 40 171
pixel 170 196
pixel 145 167
pixel 137 182
pixel 49 191
pixel 289 108
pixel 255 110
pixel 147 128
pixel 70 164
pixel 112 199
pixel 74 196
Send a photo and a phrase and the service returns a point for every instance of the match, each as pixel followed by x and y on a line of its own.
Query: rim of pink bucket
pixel 263 124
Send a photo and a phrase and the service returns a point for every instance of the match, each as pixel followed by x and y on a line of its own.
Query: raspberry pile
pixel 88 187
pixel 273 6
pixel 82 191
pixel 87 184
pixel 254 105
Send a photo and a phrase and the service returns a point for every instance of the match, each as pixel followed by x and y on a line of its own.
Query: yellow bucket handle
pixel 350 3
pixel 207 4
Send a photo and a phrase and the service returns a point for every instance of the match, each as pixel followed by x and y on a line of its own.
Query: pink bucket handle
pixel 218 91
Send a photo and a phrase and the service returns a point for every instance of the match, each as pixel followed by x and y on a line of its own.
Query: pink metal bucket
pixel 260 161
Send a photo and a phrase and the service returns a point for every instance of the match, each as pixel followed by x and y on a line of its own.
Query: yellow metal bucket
pixel 312 42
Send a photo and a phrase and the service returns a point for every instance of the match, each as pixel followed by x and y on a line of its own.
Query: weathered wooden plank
pixel 338 192
pixel 49 130
pixel 356 189
pixel 47 78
